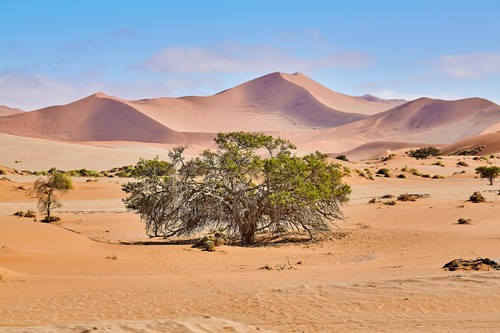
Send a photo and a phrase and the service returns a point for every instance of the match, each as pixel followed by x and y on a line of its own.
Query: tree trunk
pixel 247 233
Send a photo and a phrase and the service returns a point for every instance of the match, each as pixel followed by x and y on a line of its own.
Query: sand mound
pixel 379 149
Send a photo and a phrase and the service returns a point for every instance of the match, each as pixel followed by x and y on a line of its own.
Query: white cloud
pixel 472 65
pixel 235 57
pixel 391 94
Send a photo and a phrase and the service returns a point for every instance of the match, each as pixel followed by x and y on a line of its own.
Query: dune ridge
pixel 7 111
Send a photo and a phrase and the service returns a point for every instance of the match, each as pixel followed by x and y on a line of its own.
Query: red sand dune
pixel 94 118
pixel 425 120
pixel 7 111
pixel 290 105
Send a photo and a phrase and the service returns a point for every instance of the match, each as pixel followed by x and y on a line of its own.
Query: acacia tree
pixel 488 172
pixel 251 182
pixel 46 189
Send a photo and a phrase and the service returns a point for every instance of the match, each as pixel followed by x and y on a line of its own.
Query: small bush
pixel 401 175
pixel 476 197
pixel 2 172
pixel 372 201
pixel 210 241
pixel 52 218
pixel 407 197
pixel 464 221
pixel 415 172
pixel 387 196
pixel 29 213
pixel 426 175
pixel 391 203
pixel 437 177
pixel 424 152
pixel 384 172
pixel 439 163
pixel 462 163
pixel 342 158
pixel 387 158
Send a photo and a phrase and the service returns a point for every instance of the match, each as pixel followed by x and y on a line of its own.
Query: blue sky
pixel 54 52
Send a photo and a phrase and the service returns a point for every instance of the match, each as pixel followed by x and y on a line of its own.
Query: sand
pixel 380 271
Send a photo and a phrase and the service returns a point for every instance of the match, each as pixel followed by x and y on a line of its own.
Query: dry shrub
pixel 476 197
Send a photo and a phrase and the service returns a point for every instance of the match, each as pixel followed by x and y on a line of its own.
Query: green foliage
pixel 488 172
pixel 342 158
pixel 438 163
pixel 384 172
pixel 422 153
pixel 45 190
pixel 237 190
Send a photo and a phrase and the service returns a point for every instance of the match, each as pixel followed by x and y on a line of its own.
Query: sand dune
pixel 490 142
pixel 94 118
pixel 379 149
pixel 6 111
pixel 392 102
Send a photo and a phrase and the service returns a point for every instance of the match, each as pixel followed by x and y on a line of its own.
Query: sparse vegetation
pixel 384 172
pixel 423 153
pixel 390 203
pixel 472 151
pixel 439 163
pixel 426 175
pixel 342 158
pixel 462 163
pixel 401 175
pixel 476 197
pixel 389 157
pixel 29 213
pixel 488 172
pixel 407 197
pixel 437 177
pixel 45 190
pixel 464 221
pixel 236 190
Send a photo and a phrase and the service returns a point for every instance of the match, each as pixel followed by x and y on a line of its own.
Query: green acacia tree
pixel 251 182
pixel 46 190
pixel 488 172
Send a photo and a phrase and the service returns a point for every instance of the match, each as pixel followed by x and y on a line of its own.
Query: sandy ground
pixel 380 271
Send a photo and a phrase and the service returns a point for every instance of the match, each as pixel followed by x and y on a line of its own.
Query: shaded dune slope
pixel 95 118
pixel 7 111
pixel 427 120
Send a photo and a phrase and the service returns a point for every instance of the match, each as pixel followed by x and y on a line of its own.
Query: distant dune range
pixel 290 105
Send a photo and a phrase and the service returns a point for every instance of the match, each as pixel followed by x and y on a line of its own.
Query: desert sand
pixel 379 271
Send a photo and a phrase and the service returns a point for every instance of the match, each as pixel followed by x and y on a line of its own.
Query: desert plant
pixel 422 153
pixel 389 157
pixel 45 190
pixel 407 197
pixel 438 163
pixel 401 175
pixel 237 190
pixel 476 197
pixel 488 172
pixel 464 221
pixel 462 163
pixel 437 177
pixel 384 172
pixel 390 203
pixel 425 175
pixel 342 158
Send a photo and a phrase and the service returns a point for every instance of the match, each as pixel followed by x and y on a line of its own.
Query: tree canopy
pixel 46 189
pixel 251 182
pixel 488 172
